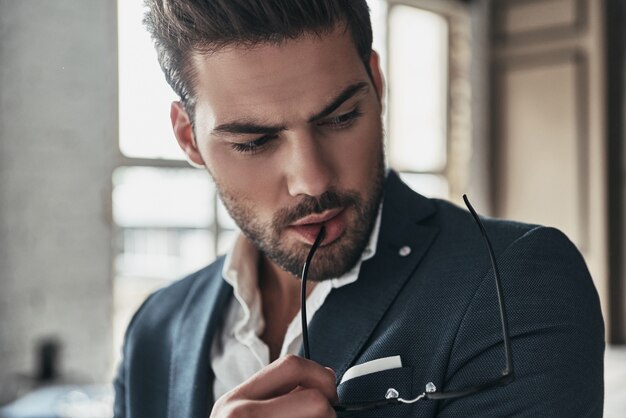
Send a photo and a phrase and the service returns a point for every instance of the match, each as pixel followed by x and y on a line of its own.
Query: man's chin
pixel 329 262
pixel 330 267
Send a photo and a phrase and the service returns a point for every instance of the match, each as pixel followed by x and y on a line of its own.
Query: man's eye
pixel 252 146
pixel 341 121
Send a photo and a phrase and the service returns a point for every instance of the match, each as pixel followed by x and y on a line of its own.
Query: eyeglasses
pixel 431 392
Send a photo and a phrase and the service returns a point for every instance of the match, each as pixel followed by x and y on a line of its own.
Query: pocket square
pixel 373 366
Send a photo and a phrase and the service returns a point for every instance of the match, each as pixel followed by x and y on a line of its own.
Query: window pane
pixel 162 254
pixel 162 197
pixel 164 220
pixel 165 216
pixel 223 217
pixel 144 96
pixel 227 229
pixel 378 16
pixel 429 185
pixel 417 89
pixel 226 240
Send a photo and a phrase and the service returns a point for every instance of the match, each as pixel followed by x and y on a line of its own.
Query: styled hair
pixel 182 27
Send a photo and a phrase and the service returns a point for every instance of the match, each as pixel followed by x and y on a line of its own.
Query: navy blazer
pixel 435 307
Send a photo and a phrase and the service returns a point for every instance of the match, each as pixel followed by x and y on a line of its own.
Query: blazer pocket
pixel 374 386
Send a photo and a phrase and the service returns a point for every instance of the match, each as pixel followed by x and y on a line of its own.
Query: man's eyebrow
pixel 242 127
pixel 346 94
pixel 245 127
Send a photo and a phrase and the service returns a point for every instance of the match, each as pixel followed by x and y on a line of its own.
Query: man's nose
pixel 309 168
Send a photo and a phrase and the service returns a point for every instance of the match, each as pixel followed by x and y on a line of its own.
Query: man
pixel 281 102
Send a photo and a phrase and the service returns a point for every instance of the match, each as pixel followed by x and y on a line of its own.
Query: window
pixel 169 221
pixel 417 129
pixel 425 49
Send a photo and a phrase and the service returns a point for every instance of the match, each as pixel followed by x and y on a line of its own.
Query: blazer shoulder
pixel 456 222
pixel 544 244
pixel 162 306
pixel 548 252
pixel 515 242
pixel 556 332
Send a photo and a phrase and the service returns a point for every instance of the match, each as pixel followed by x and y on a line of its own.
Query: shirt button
pixel 404 251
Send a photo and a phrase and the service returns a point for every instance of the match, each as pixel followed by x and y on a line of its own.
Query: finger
pixel 327 368
pixel 286 374
pixel 306 403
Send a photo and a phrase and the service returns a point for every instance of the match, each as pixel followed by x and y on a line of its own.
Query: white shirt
pixel 237 351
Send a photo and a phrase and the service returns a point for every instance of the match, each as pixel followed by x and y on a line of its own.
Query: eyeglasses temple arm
pixel 503 316
pixel 305 273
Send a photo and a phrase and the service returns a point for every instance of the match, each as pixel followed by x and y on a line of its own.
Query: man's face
pixel 292 136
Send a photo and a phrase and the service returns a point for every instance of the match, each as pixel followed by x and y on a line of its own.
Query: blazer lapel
pixel 339 330
pixel 190 391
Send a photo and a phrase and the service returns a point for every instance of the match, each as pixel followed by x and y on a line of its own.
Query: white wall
pixel 58 133
pixel 549 122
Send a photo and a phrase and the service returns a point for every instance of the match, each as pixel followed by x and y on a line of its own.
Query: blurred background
pixel 519 103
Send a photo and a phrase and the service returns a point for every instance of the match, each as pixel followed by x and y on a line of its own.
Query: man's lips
pixel 308 227
pixel 317 218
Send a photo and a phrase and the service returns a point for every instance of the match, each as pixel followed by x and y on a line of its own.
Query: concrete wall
pixel 58 135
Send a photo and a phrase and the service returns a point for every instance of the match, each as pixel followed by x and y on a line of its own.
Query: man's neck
pixel 280 300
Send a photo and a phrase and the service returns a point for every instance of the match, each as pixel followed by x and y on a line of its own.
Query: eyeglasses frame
pixel 392 397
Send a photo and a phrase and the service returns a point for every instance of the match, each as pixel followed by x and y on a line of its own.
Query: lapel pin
pixel 404 251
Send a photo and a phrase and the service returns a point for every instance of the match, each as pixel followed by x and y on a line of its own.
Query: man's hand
pixel 290 387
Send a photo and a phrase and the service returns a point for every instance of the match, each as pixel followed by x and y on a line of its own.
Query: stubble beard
pixel 331 261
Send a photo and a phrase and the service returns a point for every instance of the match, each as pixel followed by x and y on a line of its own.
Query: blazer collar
pixel 190 391
pixel 339 330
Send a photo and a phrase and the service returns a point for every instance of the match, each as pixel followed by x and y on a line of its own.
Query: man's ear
pixel 377 75
pixel 183 130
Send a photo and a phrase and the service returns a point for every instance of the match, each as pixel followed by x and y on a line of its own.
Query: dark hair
pixel 179 27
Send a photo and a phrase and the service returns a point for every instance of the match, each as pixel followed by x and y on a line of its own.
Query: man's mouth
pixel 307 228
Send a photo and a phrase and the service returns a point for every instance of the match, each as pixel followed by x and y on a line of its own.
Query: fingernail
pixel 332 371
